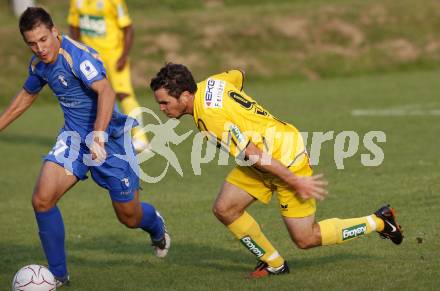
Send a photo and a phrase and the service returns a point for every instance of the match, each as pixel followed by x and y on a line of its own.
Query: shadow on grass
pixel 18 139
pixel 337 257
pixel 181 254
pixel 108 251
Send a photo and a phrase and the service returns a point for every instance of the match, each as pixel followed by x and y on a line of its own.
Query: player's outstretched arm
pixel 18 105
pixel 305 187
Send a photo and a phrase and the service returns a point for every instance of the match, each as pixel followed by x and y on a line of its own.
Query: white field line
pixel 395 112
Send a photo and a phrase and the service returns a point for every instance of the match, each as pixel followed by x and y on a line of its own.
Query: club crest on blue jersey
pixel 62 80
pixel 125 182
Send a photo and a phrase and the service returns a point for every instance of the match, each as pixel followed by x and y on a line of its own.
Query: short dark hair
pixel 32 17
pixel 176 78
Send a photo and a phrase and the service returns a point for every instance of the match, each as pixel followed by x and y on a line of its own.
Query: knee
pixel 129 213
pixel 220 212
pixel 226 214
pixel 129 221
pixel 304 243
pixel 42 203
pixel 309 240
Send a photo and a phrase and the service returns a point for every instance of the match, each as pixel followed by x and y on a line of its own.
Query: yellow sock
pixel 337 231
pixel 129 103
pixel 247 230
pixel 380 225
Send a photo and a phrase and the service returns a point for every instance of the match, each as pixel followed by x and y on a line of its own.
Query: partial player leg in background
pixel 121 83
pixel 128 104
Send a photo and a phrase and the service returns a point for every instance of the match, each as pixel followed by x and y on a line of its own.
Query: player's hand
pixel 97 149
pixel 120 64
pixel 310 187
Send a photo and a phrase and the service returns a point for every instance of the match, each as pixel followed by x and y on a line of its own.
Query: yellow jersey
pixel 232 119
pixel 100 22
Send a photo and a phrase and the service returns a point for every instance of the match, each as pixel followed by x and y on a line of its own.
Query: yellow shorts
pixel 120 80
pixel 262 185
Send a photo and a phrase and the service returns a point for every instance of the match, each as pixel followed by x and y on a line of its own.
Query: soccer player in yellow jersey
pixel 106 26
pixel 271 157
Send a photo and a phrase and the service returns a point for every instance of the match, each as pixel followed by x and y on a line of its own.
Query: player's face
pixel 171 106
pixel 43 42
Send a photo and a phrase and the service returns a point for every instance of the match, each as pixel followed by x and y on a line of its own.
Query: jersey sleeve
pixel 234 77
pixel 122 15
pixel 34 83
pixel 88 68
pixel 73 17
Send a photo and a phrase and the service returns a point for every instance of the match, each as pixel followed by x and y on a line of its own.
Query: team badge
pixel 62 80
pixel 88 70
pixel 125 182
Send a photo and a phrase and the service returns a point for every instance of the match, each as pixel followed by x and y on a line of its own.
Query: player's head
pixel 39 33
pixel 174 89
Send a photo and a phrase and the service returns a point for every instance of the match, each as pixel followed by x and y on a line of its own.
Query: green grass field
pixel 104 255
pixel 296 40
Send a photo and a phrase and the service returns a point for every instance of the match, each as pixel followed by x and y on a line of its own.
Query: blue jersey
pixel 70 77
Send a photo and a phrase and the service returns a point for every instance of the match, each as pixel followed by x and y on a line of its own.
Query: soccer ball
pixel 33 278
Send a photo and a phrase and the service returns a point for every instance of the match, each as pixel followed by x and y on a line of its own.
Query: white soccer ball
pixel 34 278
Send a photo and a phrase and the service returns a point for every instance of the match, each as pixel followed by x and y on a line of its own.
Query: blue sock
pixel 150 222
pixel 51 230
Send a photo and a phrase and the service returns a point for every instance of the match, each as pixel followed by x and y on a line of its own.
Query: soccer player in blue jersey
pixel 91 139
